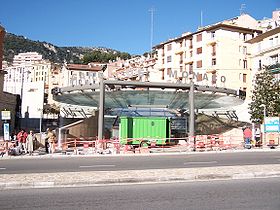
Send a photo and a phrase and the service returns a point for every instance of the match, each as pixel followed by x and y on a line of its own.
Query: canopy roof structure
pixel 120 94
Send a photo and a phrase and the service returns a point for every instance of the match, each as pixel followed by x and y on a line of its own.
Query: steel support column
pixel 101 107
pixel 191 112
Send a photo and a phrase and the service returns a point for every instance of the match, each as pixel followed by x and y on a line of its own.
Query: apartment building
pixel 215 55
pixel 28 77
pixel 139 68
pixel 270 23
pixel 26 58
pixel 265 51
pixel 80 74
pixel 21 73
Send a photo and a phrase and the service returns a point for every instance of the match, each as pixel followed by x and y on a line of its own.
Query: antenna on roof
pixel 242 9
pixel 152 10
pixel 201 18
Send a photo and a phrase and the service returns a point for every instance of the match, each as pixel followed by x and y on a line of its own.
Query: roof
pixel 83 67
pixel 264 35
pixel 126 94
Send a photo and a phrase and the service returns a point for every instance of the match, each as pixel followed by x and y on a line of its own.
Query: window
pixel 169 58
pixel 245 64
pixel 244 77
pixel 168 71
pixel 191 45
pixel 199 64
pixel 199 50
pixel 181 44
pixel 190 54
pixel 181 68
pixel 199 37
pixel 244 37
pixel 244 50
pixel 163 61
pixel 260 64
pixel 213 61
pixel 181 58
pixel 271 42
pixel 191 68
pixel 213 34
pixel 199 77
pixel 213 50
pixel 162 74
pixel 169 47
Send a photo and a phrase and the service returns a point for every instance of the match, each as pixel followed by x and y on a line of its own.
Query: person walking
pixel 258 137
pixel 248 136
pixel 52 140
pixel 21 137
pixel 31 138
pixel 46 138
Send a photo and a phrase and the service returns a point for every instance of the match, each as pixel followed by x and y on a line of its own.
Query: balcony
pixel 274 69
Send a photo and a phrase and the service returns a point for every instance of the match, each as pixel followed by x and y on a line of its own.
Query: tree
pixel 266 92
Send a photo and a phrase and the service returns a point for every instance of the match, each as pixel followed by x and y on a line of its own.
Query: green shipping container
pixel 133 130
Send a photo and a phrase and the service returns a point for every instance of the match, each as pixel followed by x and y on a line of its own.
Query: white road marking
pixel 191 163
pixel 96 166
pixel 2 168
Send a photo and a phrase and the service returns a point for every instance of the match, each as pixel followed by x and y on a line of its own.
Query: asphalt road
pixel 257 194
pixel 115 163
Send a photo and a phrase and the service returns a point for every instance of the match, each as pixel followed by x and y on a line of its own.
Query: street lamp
pixel 264 115
pixel 40 126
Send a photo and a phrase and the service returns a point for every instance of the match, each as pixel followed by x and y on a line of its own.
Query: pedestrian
pixel 21 137
pixel 31 138
pixel 46 140
pixel 258 137
pixel 248 136
pixel 51 140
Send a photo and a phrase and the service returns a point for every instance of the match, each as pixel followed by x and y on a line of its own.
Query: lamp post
pixel 40 126
pixel 264 115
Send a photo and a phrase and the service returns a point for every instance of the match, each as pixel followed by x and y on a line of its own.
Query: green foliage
pixel 14 45
pixel 266 92
pixel 51 109
pixel 103 56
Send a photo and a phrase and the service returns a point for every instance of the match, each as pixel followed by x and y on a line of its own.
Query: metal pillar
pixel 191 111
pixel 101 107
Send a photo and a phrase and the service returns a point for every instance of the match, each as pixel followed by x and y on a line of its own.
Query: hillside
pixel 14 45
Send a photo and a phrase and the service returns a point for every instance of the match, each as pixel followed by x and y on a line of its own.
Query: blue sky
pixel 123 25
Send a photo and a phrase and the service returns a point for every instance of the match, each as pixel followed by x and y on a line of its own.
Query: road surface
pixel 118 163
pixel 257 194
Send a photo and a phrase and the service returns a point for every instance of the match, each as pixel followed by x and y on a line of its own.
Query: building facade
pixel 265 52
pixel 215 55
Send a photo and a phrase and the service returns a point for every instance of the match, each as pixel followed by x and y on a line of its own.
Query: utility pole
pixel 152 10
pixel 201 18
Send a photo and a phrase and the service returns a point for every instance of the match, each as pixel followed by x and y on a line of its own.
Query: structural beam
pixel 101 107
pixel 191 111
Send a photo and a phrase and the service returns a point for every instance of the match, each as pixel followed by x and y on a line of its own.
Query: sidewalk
pixel 97 178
